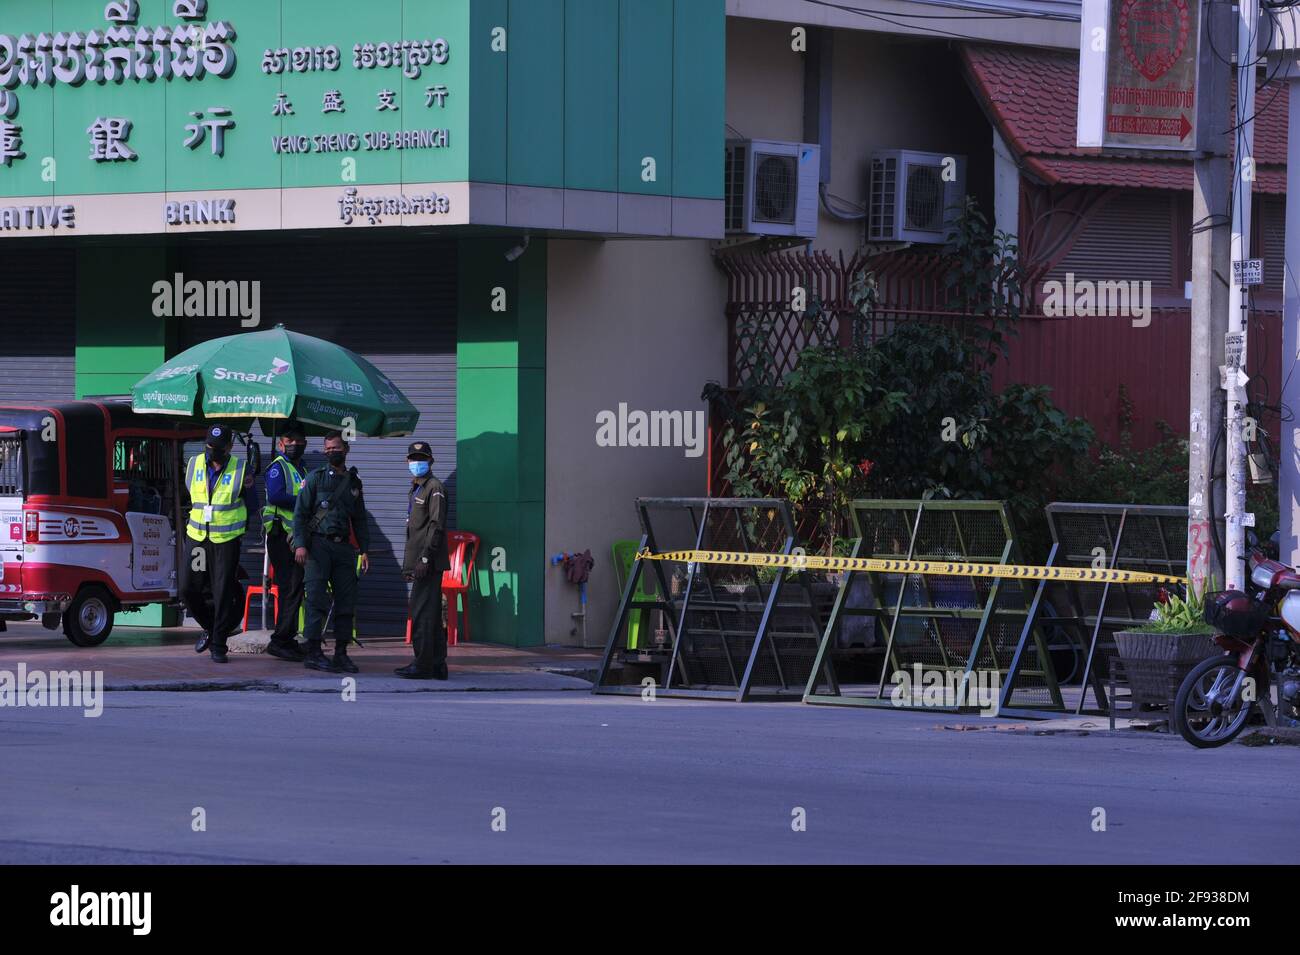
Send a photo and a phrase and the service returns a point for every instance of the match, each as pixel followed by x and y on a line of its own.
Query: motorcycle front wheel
pixel 1209 710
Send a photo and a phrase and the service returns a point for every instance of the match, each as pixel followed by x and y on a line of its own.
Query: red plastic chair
pixel 463 549
pixel 456 581
pixel 256 589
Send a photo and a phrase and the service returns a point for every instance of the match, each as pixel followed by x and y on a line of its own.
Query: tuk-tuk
pixel 90 497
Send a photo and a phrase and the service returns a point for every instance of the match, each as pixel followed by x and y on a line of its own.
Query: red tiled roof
pixel 1031 95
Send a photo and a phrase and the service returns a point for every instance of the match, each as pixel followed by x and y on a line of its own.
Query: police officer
pixel 219 490
pixel 423 563
pixel 283 482
pixel 329 514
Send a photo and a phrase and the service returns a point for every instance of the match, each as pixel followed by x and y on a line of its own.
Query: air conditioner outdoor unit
pixel 914 196
pixel 771 187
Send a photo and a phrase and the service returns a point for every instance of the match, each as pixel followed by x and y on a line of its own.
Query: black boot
pixel 218 654
pixel 202 642
pixel 316 659
pixel 342 637
pixel 342 661
pixel 285 651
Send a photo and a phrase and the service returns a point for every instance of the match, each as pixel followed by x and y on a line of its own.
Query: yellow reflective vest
pixel 273 514
pixel 225 516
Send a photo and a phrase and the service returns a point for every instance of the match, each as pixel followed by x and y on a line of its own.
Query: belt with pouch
pixel 335 538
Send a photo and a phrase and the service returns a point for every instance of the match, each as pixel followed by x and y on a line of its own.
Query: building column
pixel 120 340
pixel 501 434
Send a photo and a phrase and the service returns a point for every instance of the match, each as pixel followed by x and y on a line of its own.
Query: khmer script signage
pixel 172 113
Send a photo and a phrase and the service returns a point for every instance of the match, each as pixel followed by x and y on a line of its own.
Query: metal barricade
pixel 974 639
pixel 1142 537
pixel 732 632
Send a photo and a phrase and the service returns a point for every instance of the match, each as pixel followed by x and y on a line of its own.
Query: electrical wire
pixel 1009 15
pixel 825 195
pixel 928 30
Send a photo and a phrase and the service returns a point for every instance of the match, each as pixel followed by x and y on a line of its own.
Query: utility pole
pixel 1243 176
pixel 1211 273
pixel 1286 49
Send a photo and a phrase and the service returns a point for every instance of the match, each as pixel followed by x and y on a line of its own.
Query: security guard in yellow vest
pixel 283 483
pixel 219 489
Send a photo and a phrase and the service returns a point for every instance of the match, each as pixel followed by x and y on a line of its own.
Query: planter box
pixel 1156 663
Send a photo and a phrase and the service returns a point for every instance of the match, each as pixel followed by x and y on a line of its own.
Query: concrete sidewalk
pixel 151 659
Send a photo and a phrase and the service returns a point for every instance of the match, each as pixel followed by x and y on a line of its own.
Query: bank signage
pixel 139 116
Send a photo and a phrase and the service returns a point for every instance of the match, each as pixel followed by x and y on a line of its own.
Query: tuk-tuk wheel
pixel 89 618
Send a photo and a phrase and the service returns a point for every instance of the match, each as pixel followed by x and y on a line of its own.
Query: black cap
pixel 293 430
pixel 419 449
pixel 219 436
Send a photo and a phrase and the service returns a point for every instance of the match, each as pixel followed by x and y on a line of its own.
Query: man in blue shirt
pixel 284 479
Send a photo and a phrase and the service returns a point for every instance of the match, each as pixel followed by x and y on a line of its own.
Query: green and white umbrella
pixel 277 375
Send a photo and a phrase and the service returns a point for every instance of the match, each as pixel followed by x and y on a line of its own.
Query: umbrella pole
pixel 266 550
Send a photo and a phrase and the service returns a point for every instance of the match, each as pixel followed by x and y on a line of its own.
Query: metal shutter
pixel 37 324
pixel 1272 245
pixel 1130 239
pixel 395 304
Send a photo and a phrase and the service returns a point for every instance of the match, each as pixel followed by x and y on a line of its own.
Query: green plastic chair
pixel 624 557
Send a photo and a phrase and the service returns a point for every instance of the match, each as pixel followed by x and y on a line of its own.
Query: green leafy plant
pixel 1123 474
pixel 912 414
pixel 807 440
pixel 1176 614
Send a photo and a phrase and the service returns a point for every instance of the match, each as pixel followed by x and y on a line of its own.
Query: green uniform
pixel 334 504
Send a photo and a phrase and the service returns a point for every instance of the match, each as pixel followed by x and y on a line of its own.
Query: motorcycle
pixel 1259 631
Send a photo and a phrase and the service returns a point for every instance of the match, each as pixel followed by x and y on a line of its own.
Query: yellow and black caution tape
pixel 953 568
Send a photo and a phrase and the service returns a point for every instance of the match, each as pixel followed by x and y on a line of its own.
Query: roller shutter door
pixel 37 324
pixel 393 303
pixel 1130 239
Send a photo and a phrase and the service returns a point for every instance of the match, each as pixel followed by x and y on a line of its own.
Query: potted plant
pixel 1158 655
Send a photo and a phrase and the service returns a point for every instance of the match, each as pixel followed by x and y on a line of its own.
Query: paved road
pixel 415 778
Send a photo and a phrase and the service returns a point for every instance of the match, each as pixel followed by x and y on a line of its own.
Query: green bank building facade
pixel 506 205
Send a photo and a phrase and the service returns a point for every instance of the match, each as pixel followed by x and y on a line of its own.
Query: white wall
pixel 639 322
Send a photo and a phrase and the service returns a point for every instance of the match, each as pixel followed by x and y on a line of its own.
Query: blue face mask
pixel 418 468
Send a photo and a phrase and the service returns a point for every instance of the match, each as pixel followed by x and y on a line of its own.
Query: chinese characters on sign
pixel 198 131
pixel 108 136
pixel 124 51
pixel 125 122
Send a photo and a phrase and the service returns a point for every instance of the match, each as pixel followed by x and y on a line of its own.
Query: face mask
pixel 218 457
pixel 418 468
pixel 294 451
pixel 336 458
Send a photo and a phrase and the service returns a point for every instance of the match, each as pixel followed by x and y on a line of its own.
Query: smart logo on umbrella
pixel 249 377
